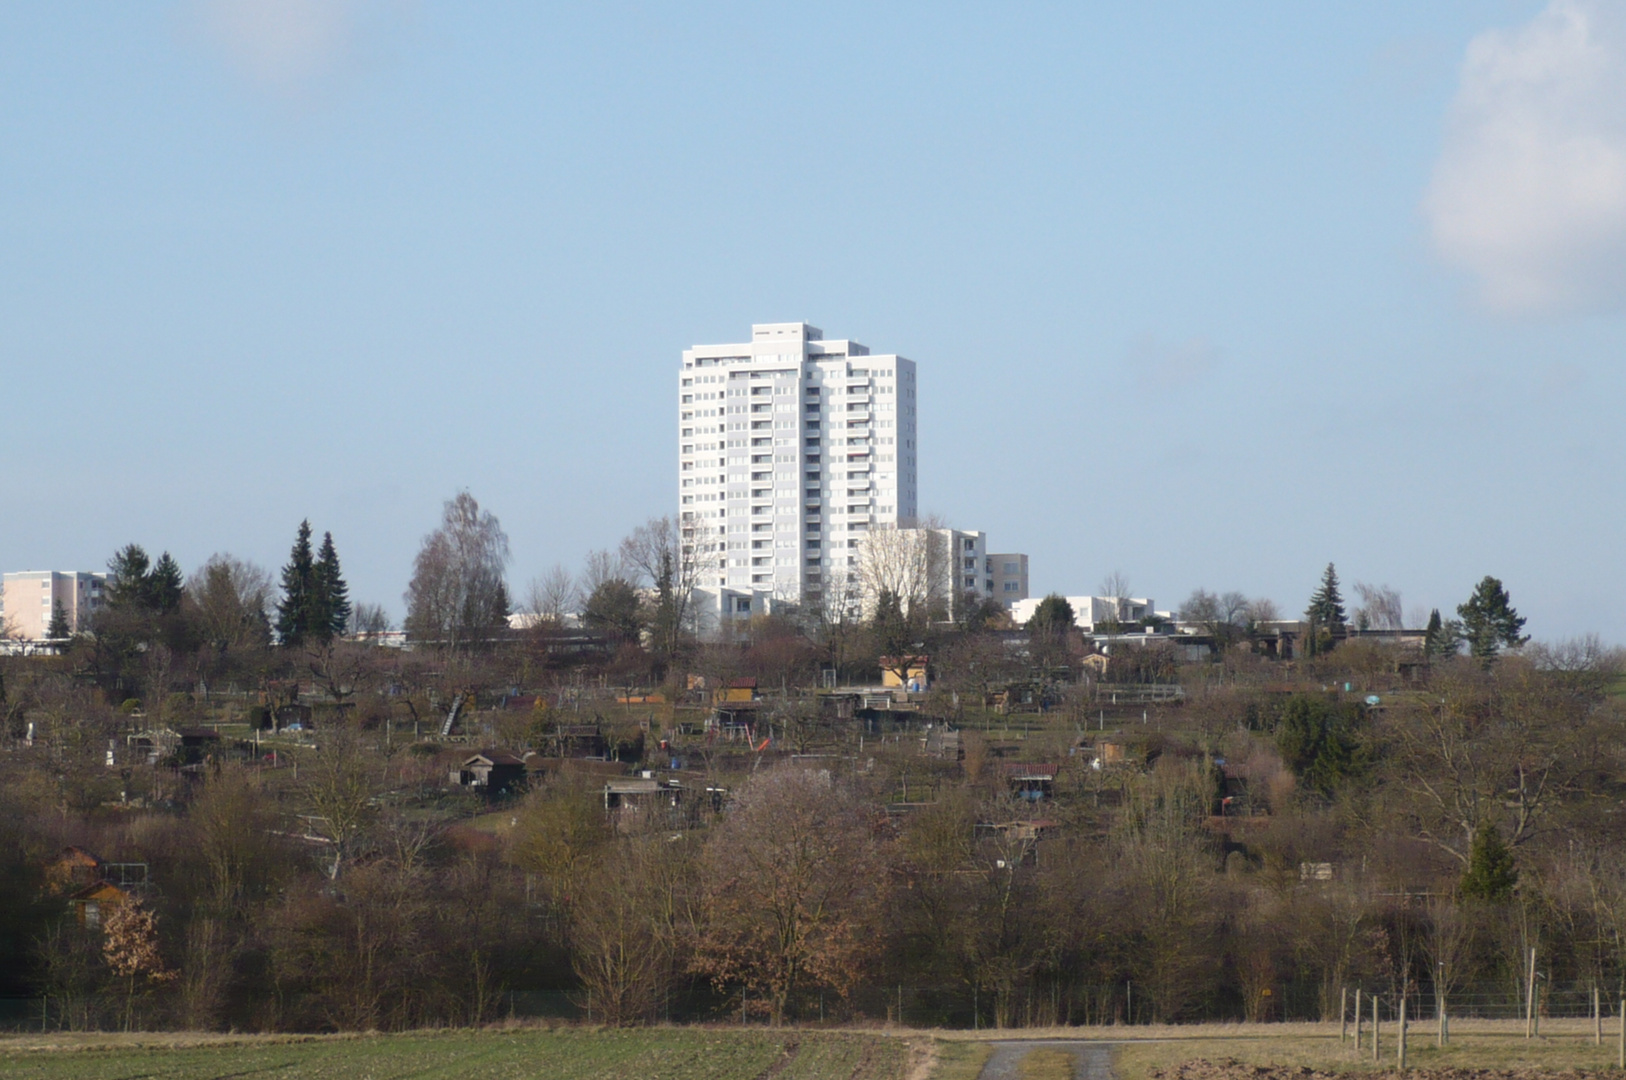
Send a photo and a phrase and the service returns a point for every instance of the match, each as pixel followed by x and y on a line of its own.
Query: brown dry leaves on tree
pixel 130 944
pixel 794 883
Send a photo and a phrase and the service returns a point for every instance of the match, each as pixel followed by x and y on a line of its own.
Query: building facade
pixel 1093 612
pixel 791 448
pixel 28 599
pixel 1007 578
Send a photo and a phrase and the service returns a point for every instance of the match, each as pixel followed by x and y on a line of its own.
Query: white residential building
pixel 790 449
pixel 28 598
pixel 1089 612
pixel 949 570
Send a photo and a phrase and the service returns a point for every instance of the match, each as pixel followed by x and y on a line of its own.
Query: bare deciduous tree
pixel 369 620
pixel 338 791
pixel 553 596
pixel 1115 588
pixel 1263 609
pixel 673 561
pixel 625 925
pixel 793 878
pixel 1380 608
pixel 897 561
pixel 457 595
pixel 230 601
pixel 1222 616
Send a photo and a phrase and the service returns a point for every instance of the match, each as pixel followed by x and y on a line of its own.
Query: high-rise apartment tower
pixel 790 449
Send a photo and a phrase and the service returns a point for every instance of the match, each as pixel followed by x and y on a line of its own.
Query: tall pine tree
pixel 1325 613
pixel 1489 621
pixel 298 585
pixel 1327 603
pixel 330 596
pixel 1491 874
pixel 1441 638
pixel 128 576
pixel 59 622
pixel 164 585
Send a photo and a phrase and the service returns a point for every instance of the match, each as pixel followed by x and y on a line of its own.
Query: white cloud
pixel 1169 365
pixel 1529 193
pixel 291 46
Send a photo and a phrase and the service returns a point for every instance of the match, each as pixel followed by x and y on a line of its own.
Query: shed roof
pixel 100 890
pixel 76 856
pixel 1024 771
pixel 495 757
pixel 638 785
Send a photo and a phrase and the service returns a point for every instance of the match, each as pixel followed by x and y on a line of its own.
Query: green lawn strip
pixel 644 1055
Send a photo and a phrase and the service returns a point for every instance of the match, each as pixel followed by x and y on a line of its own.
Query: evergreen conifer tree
pixel 127 577
pixel 1489 622
pixel 329 596
pixel 1327 603
pixel 59 622
pixel 1491 874
pixel 1441 638
pixel 298 587
pixel 665 621
pixel 1325 614
pixel 164 585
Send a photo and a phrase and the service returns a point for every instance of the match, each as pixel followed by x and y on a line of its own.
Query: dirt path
pixel 1092 1060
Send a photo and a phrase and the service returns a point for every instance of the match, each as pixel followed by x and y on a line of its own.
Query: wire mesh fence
pixel 1037 1004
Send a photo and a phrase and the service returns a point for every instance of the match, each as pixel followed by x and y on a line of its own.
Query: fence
pixel 1041 1004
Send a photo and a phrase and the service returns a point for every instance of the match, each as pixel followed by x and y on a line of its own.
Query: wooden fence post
pixel 1400 1049
pixel 1530 996
pixel 1343 1015
pixel 1357 1021
pixel 1621 1051
pixel 1597 1017
pixel 1376 1021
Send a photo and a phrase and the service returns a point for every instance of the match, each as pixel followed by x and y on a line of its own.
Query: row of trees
pixel 1487 621
pixel 1458 828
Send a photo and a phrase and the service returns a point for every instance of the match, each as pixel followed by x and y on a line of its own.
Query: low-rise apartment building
pixel 1091 612
pixel 29 597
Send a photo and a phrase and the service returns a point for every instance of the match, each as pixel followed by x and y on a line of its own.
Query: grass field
pixel 707 1054
pixel 1489 1044
pixel 651 1054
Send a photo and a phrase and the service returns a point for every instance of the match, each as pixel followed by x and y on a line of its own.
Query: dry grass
pixel 958 1059
pixel 1047 1065
pixel 1487 1044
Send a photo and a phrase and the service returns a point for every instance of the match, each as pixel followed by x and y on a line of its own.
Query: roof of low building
pixel 639 785
pixel 1027 771
pixel 495 757
pixel 100 890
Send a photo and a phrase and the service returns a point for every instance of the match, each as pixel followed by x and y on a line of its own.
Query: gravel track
pixel 1092 1060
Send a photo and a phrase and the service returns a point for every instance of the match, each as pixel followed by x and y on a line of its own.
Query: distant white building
pixel 790 449
pixel 28 599
pixel 1090 612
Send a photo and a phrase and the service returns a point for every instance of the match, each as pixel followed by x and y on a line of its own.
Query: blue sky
pixel 1208 294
